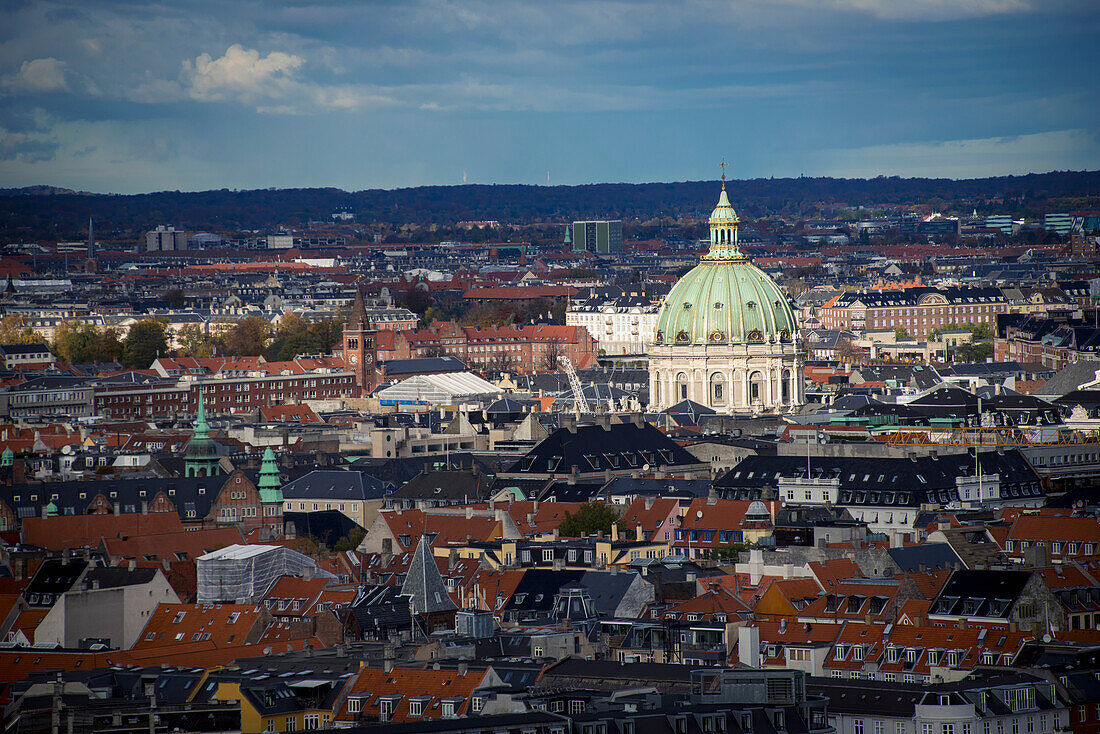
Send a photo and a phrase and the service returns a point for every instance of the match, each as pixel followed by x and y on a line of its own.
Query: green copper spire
pixel 8 457
pixel 201 458
pixel 202 429
pixel 51 509
pixel 270 486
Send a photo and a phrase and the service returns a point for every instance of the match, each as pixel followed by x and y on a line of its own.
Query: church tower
pixel 201 458
pixel 359 346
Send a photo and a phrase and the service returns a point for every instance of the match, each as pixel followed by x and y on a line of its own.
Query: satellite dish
pixel 67 449
pixel 645 467
pixel 698 514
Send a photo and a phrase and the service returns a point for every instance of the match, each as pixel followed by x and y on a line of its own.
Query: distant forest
pixel 45 213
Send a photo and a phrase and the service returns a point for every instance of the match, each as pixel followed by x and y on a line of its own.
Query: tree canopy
pixel 591 518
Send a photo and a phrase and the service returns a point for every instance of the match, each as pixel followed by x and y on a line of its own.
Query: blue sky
pixel 135 96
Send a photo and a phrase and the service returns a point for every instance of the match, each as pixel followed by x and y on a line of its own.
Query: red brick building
pixel 231 387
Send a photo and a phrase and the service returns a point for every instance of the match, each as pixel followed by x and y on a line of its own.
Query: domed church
pixel 726 336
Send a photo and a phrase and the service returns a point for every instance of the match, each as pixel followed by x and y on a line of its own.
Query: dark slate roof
pixel 536 590
pixel 13 349
pixel 110 578
pixel 1070 378
pixel 980 593
pixel 335 485
pixel 54 577
pixel 507 408
pixel 423 584
pixel 566 492
pixel 620 446
pixel 417 365
pixel 378 609
pixel 190 494
pixel 398 471
pixel 461 484
pixel 671 487
pixel 864 482
pixel 924 557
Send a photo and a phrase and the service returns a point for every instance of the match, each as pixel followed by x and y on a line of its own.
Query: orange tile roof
pixel 447 528
pixel 190 543
pixel 547 517
pixel 432 686
pixel 182 624
pixel 75 531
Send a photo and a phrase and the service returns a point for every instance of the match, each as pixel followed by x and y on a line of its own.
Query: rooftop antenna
pixel 723 164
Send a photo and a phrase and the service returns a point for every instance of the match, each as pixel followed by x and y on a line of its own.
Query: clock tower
pixel 360 351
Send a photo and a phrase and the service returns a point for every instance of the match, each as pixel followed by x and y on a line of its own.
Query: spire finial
pixel 723 174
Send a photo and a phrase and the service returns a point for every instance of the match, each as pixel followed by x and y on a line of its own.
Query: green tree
pixel 194 341
pixel 974 352
pixel 901 333
pixel 248 337
pixel 145 342
pixel 592 517
pixel 78 343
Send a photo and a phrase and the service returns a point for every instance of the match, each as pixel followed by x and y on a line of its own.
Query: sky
pixel 128 97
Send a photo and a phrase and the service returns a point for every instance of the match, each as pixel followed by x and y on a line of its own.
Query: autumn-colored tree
pixel 847 351
pixel 14 331
pixel 248 337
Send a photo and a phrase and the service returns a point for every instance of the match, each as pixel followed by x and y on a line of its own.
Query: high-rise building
pixel 601 237
pixel 1060 223
pixel 164 239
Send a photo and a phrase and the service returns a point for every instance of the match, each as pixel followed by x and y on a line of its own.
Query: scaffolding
pixel 243 574
pixel 991 437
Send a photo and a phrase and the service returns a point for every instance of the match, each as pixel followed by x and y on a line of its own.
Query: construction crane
pixel 575 383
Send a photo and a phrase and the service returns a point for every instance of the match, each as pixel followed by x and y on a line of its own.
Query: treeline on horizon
pixel 64 216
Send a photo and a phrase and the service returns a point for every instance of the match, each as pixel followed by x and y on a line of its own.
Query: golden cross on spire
pixel 723 174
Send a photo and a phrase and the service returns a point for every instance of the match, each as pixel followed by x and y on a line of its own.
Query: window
pixel 926 728
pixel 270 725
pixel 385 708
pixel 899 727
pixel 311 722
pixel 416 707
pixel 354 705
pixel 547 555
pixel 448 709
pixel 947 729
pixel 475 704
pixel 576 706
pixel 880 726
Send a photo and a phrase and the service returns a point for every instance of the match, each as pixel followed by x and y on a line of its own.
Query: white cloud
pixel 240 72
pixel 999 156
pixel 270 82
pixel 929 10
pixel 38 75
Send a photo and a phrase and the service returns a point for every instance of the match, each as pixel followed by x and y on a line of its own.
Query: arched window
pixel 717 389
pixel 682 386
pixel 785 386
pixel 756 387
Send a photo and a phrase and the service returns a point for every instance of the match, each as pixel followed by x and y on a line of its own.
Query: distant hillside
pixel 40 191
pixel 64 215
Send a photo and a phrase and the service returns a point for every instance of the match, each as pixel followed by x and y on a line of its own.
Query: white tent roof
pixel 441 388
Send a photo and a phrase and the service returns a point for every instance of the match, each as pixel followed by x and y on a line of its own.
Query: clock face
pixel 367 358
pixel 353 359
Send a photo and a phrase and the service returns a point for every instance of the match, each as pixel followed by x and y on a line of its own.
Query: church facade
pixel 726 336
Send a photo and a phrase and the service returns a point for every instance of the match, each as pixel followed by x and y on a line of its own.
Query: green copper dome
pixel 725 299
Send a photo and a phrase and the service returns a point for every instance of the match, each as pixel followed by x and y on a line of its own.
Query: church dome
pixel 725 299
